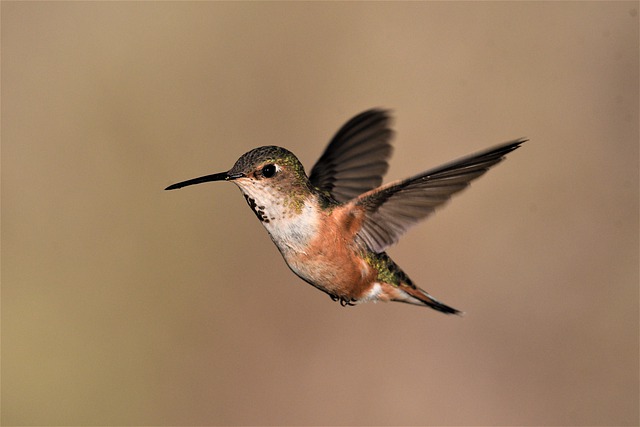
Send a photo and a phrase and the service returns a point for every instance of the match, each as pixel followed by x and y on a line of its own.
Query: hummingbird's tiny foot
pixel 345 302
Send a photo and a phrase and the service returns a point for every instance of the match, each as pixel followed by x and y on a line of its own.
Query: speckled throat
pixel 291 218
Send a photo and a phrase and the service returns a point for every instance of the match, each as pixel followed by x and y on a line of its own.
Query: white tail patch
pixel 373 293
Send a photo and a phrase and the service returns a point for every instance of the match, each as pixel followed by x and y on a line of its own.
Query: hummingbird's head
pixel 267 176
pixel 270 164
pixel 271 176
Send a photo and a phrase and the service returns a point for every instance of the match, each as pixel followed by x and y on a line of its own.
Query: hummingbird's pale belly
pixel 339 276
pixel 317 249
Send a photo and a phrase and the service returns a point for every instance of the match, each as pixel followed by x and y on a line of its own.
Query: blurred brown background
pixel 124 304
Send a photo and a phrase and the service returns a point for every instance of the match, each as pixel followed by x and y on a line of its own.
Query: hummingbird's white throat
pixel 291 221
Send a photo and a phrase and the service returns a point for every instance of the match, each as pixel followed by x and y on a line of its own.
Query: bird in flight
pixel 333 226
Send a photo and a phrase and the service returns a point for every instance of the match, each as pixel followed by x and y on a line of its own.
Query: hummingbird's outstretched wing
pixel 356 158
pixel 391 209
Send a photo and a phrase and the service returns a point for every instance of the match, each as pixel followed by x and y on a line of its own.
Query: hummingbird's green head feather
pixel 272 175
pixel 253 161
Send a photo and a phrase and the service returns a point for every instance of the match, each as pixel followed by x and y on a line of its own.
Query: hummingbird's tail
pixel 417 296
pixel 395 285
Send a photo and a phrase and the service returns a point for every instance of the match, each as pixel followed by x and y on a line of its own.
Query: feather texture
pixel 391 209
pixel 356 158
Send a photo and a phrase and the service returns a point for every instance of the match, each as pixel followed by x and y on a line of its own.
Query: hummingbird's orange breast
pixel 332 260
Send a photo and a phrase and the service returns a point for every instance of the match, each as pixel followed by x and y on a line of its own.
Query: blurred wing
pixel 356 158
pixel 393 208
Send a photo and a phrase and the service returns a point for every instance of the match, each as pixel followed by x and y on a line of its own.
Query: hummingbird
pixel 332 227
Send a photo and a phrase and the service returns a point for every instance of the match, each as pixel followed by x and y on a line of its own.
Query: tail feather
pixel 397 286
pixel 417 296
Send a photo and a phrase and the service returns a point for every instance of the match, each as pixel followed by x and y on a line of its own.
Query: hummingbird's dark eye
pixel 268 171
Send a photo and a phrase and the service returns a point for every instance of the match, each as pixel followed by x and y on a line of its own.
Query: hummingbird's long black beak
pixel 223 176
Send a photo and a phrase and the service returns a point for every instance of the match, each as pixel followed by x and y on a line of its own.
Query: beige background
pixel 124 304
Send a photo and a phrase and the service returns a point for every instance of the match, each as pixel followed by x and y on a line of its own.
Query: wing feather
pixel 393 208
pixel 355 160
